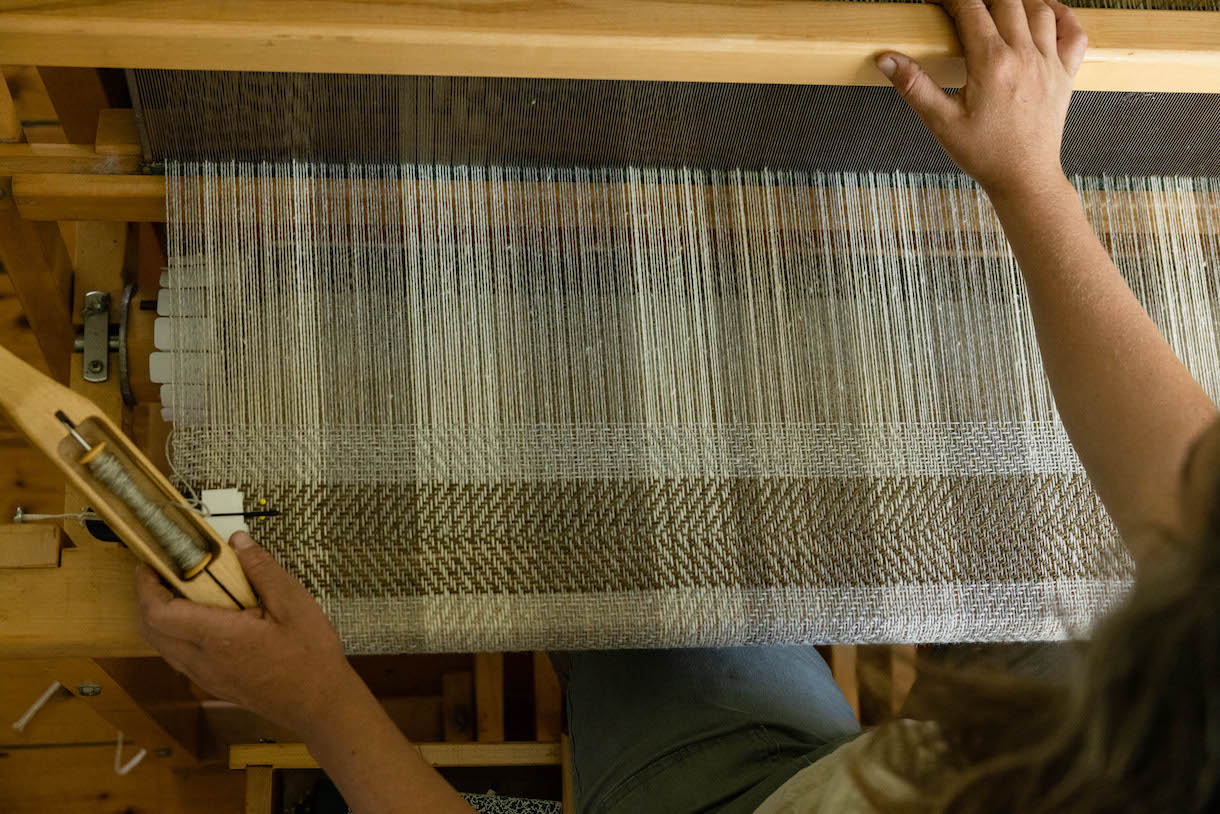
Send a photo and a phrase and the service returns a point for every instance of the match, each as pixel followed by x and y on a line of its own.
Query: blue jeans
pixel 684 731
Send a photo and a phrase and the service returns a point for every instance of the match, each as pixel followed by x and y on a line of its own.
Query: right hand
pixel 282 660
pixel 1005 126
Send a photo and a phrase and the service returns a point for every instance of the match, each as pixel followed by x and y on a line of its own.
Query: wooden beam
pixel 36 278
pixel 489 696
pixel 63 158
pixel 702 40
pixel 85 607
pixel 843 661
pixel 59 197
pixel 296 755
pixel 121 694
pixel 10 119
pixel 29 546
pixel 77 96
pixel 548 700
pixel 261 791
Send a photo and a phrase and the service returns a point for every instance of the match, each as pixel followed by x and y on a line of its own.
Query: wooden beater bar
pixel 803 41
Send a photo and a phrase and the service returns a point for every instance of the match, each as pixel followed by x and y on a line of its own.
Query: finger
pixel 975 27
pixel 149 588
pixel 280 591
pixel 1072 40
pixel 1042 26
pixel 188 621
pixel 1012 22
pixel 926 98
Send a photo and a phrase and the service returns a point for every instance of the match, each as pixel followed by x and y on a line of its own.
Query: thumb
pixel 279 590
pixel 924 96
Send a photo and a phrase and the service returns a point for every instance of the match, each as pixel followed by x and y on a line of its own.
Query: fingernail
pixel 887 66
pixel 240 540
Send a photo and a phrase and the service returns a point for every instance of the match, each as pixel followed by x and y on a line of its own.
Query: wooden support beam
pixel 63 158
pixel 489 696
pixel 296 755
pixel 843 662
pixel 134 698
pixel 59 197
pixel 30 546
pixel 548 700
pixel 262 791
pixel 37 278
pixel 10 119
pixel 701 40
pixel 77 95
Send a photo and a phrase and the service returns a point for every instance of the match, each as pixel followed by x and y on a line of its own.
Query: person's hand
pixel 283 660
pixel 1005 126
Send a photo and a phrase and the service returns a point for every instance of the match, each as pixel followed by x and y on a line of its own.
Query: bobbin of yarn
pixel 188 557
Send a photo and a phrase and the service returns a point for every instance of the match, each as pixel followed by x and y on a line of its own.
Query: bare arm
pixel 1129 405
pixel 284 661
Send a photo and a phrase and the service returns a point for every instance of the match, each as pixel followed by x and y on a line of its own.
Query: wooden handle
pixel 31 401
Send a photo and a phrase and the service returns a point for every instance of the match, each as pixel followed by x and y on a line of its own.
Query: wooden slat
pixel 548 700
pixel 779 41
pixel 296 755
pixel 843 660
pixel 489 696
pixel 29 546
pixel 260 790
pixel 457 694
pixel 63 158
pixel 35 278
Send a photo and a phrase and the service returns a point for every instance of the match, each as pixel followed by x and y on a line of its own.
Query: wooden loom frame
pixel 74 215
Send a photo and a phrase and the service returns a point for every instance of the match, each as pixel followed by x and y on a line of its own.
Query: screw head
pixel 95 366
pixel 89 690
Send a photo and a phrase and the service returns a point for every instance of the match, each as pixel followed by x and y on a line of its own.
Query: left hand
pixel 283 661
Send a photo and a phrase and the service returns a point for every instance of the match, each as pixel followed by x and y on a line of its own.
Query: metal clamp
pixel 98 339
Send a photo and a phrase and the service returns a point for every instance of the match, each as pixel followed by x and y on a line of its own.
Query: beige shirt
pixel 827 785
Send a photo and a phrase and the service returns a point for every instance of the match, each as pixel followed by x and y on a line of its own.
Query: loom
pixel 661 349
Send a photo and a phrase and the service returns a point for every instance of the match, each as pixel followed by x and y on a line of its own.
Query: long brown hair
pixel 1135 728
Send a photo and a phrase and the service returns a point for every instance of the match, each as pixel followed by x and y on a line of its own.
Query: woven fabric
pixel 510 409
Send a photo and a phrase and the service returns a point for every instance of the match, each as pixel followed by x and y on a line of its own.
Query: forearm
pixel 370 760
pixel 1129 405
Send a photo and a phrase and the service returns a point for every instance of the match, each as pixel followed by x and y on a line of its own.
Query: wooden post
pixel 262 790
pixel 489 696
pixel 10 120
pixel 35 278
pixel 548 700
pixel 843 659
